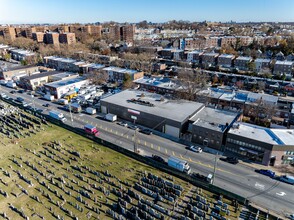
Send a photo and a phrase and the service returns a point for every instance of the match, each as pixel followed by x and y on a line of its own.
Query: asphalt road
pixel 264 191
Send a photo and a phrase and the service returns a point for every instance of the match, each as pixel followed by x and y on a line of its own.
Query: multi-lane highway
pixel 264 191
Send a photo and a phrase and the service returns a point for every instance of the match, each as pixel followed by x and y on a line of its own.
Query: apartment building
pixel 8 33
pixel 261 64
pixel 19 54
pixel 114 33
pixel 52 38
pixel 209 59
pixel 117 74
pixel 211 42
pixel 194 56
pixel 178 54
pixel 242 62
pixel 127 33
pixel 225 60
pixel 17 72
pixel 228 41
pixel 244 40
pixel 28 32
pixel 39 37
pixel 67 38
pixel 283 67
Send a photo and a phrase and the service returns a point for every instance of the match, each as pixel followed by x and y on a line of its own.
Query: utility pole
pixel 135 142
pixel 214 168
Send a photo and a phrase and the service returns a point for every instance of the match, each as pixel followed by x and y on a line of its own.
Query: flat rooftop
pixel 288 63
pixel 65 74
pixel 267 135
pixel 244 58
pixel 65 82
pixel 176 110
pixel 229 56
pixel 161 82
pixel 120 70
pixel 19 68
pixel 214 119
pixel 40 75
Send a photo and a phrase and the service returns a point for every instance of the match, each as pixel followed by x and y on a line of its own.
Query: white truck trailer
pixel 111 117
pixel 57 115
pixel 91 111
pixel 179 164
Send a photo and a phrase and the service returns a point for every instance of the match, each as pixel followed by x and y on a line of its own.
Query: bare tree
pixel 97 77
pixel 190 81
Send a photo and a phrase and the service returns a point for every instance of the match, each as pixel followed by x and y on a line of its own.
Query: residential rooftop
pixel 162 82
pixel 226 56
pixel 288 63
pixel 40 75
pixel 244 58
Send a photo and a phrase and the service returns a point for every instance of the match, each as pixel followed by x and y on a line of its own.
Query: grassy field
pixel 55 173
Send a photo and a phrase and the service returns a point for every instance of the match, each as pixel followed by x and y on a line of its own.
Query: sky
pixel 90 11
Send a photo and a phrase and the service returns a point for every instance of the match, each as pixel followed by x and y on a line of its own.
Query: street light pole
pixel 71 119
pixel 33 102
pixel 214 168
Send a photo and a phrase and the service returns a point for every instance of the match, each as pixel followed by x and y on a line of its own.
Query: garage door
pixel 104 109
pixel 173 131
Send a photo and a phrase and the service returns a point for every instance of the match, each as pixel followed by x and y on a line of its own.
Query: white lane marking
pixel 259 186
pixel 281 194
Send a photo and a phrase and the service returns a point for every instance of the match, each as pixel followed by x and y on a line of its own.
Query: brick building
pixel 39 37
pixel 52 38
pixel 67 38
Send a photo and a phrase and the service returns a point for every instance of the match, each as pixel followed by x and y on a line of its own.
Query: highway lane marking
pixel 259 186
pixel 181 156
pixel 145 143
pixel 159 148
pixel 127 136
pixel 110 130
pixel 151 146
pixel 173 153
pixel 116 132
pixel 139 141
pixel 166 151
pixel 190 159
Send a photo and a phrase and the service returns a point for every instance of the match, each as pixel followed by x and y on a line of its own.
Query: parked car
pixel 287 179
pixel 232 160
pixel 146 131
pixel 121 123
pixel 195 149
pixel 21 91
pixel 46 105
pixel 158 158
pixel 269 173
pixel 13 91
pixel 133 127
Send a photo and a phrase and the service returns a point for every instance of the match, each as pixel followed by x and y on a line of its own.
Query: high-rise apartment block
pixel 67 38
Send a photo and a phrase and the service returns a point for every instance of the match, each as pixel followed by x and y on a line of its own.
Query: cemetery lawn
pixel 36 154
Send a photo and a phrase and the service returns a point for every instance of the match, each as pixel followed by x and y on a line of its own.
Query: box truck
pixel 179 164
pixel 48 97
pixel 110 117
pixel 91 111
pixel 57 115
pixel 62 101
pixel 75 107
pixel 91 129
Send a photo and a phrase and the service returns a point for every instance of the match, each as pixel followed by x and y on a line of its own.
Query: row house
pixel 242 62
pixel 209 59
pixel 211 42
pixel 225 60
pixel 262 64
pixel 194 56
pixel 117 74
pixel 20 55
pixel 283 67
pixel 228 41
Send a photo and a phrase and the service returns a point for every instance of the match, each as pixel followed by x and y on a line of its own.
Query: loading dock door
pixel 173 131
pixel 104 109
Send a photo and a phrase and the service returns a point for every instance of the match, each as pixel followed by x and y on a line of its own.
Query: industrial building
pixel 61 87
pixel 209 126
pixel 172 117
pixel 17 72
pixel 264 145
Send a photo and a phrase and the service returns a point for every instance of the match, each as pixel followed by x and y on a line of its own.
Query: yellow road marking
pixel 190 159
pixel 181 156
pixel 151 146
pixel 145 143
pixel 173 153
pixel 159 148
pixel 166 151
pixel 139 141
